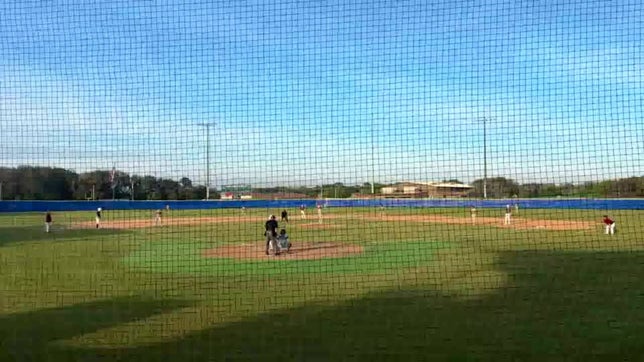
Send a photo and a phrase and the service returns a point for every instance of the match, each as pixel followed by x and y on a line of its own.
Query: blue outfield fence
pixel 596 204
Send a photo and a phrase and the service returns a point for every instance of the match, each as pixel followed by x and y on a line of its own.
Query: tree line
pixel 51 183
pixel 501 187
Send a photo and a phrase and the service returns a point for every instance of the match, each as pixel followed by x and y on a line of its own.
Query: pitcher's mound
pixel 299 251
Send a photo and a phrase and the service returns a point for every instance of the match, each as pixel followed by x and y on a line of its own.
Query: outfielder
pixel 609 225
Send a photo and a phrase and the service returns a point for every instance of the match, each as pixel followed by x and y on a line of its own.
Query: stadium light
pixel 207 125
pixel 484 158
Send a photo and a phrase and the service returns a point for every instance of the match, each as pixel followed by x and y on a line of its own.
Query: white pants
pixel 47 226
pixel 473 219
pixel 98 221
pixel 302 215
pixel 157 220
pixel 610 229
pixel 508 218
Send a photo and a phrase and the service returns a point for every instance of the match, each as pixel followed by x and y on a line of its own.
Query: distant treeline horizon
pixel 53 183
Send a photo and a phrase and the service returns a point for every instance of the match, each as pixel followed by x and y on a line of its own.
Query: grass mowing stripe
pixel 188 258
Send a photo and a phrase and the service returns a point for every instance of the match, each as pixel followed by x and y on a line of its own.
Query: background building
pixel 409 189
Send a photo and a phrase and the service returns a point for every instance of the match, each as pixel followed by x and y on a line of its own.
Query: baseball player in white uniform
pixel 98 217
pixel 157 218
pixel 508 215
pixel 48 221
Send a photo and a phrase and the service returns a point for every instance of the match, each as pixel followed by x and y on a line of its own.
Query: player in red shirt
pixel 609 225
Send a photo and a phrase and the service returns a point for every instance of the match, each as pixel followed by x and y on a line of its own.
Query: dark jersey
pixel 48 217
pixel 271 226
pixel 98 214
pixel 284 214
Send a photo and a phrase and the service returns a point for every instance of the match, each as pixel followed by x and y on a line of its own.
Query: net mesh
pixel 455 180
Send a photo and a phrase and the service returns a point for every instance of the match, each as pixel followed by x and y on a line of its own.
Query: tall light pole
pixel 373 162
pixel 207 125
pixel 484 158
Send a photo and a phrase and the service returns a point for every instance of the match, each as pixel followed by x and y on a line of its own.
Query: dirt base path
pixel 168 221
pixel 299 251
pixel 517 223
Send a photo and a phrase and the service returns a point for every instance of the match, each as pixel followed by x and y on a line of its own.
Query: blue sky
pixel 310 92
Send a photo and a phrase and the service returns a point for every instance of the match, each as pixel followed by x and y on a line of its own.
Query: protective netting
pixel 456 180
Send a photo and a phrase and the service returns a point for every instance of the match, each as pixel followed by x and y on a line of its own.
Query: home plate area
pixel 302 250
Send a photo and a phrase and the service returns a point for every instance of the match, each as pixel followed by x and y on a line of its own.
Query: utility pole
pixel 207 125
pixel 0 190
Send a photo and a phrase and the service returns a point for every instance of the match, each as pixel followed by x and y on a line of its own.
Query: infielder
pixel 302 212
pixel 319 213
pixel 157 218
pixel 609 225
pixel 98 217
pixel 473 214
pixel 508 215
pixel 284 215
pixel 271 235
pixel 48 221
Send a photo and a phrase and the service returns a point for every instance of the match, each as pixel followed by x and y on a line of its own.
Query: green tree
pixel 497 187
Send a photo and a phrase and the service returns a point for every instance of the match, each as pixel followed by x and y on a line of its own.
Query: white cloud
pixel 55 122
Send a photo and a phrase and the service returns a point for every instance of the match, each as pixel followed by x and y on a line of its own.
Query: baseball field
pixel 360 284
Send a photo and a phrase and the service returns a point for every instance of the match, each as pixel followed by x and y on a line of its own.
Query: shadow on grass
pixel 17 234
pixel 572 306
pixel 29 336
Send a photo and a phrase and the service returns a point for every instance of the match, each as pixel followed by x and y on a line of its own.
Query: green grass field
pixel 420 291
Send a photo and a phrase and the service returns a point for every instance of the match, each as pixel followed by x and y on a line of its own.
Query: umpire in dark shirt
pixel 271 233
